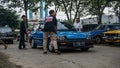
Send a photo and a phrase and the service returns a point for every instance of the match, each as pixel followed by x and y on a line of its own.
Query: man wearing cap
pixel 22 32
pixel 50 30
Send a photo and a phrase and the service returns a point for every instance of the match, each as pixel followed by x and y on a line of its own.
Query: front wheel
pixel 110 43
pixel 32 43
pixel 11 41
pixel 98 40
pixel 84 49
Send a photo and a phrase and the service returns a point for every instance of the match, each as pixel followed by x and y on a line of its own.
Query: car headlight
pixel 88 37
pixel 118 35
pixel 61 37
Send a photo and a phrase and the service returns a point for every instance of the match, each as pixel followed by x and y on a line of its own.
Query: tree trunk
pixel 99 19
pixel 66 11
pixel 70 12
pixel 77 10
pixel 26 8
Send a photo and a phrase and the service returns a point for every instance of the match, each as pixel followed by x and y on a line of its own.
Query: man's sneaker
pixel 57 52
pixel 44 52
pixel 5 47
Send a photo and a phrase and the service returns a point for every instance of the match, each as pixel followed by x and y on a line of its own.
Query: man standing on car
pixel 50 28
pixel 22 32
pixel 78 26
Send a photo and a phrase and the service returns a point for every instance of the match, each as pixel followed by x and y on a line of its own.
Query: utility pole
pixel 30 14
pixel 119 14
pixel 41 9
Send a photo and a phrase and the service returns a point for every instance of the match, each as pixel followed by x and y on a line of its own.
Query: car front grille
pixel 3 34
pixel 112 36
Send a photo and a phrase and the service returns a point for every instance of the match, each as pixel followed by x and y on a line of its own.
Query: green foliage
pixel 8 17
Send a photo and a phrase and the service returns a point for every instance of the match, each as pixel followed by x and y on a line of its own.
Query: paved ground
pixel 97 57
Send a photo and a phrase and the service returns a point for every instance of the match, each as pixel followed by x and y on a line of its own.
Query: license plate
pixel 76 44
pixel 110 39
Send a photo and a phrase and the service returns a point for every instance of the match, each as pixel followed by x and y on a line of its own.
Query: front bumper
pixel 79 43
pixel 116 41
pixel 111 39
pixel 7 38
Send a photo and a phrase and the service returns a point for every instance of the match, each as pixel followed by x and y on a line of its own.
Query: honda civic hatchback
pixel 67 37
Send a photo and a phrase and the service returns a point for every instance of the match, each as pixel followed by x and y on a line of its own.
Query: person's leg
pixel 54 41
pixel 5 46
pixel 45 38
pixel 23 41
pixel 20 43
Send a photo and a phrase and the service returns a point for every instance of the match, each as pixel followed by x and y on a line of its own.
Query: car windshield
pixel 5 29
pixel 60 25
pixel 64 25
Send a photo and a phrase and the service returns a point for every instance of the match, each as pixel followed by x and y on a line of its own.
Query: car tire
pixel 110 43
pixel 50 47
pixel 84 49
pixel 11 41
pixel 98 40
pixel 32 43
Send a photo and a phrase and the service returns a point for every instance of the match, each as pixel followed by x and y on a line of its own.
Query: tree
pixel 8 17
pixel 24 4
pixel 96 7
pixel 70 7
pixel 116 8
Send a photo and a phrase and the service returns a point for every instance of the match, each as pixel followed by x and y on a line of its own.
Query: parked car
pixel 67 37
pixel 89 27
pixel 112 37
pixel 7 35
pixel 98 32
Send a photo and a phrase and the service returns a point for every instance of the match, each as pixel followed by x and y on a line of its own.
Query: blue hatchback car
pixel 97 33
pixel 67 37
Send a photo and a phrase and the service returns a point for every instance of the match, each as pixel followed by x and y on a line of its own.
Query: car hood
pixel 112 31
pixel 67 34
pixel 71 34
pixel 94 32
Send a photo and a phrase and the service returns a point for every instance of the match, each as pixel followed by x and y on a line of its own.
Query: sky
pixel 60 15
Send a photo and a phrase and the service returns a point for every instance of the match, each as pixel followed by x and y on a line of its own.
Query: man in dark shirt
pixel 50 30
pixel 22 33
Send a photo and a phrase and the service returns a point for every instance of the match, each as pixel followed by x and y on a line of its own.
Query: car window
pixel 67 25
pixel 5 29
pixel 100 27
pixel 89 27
pixel 61 26
pixel 112 27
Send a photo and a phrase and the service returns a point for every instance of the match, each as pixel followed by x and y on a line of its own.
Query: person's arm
pixel 55 23
pixel 80 27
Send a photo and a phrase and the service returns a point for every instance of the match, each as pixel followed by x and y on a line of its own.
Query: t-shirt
pixel 50 24
pixel 78 26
